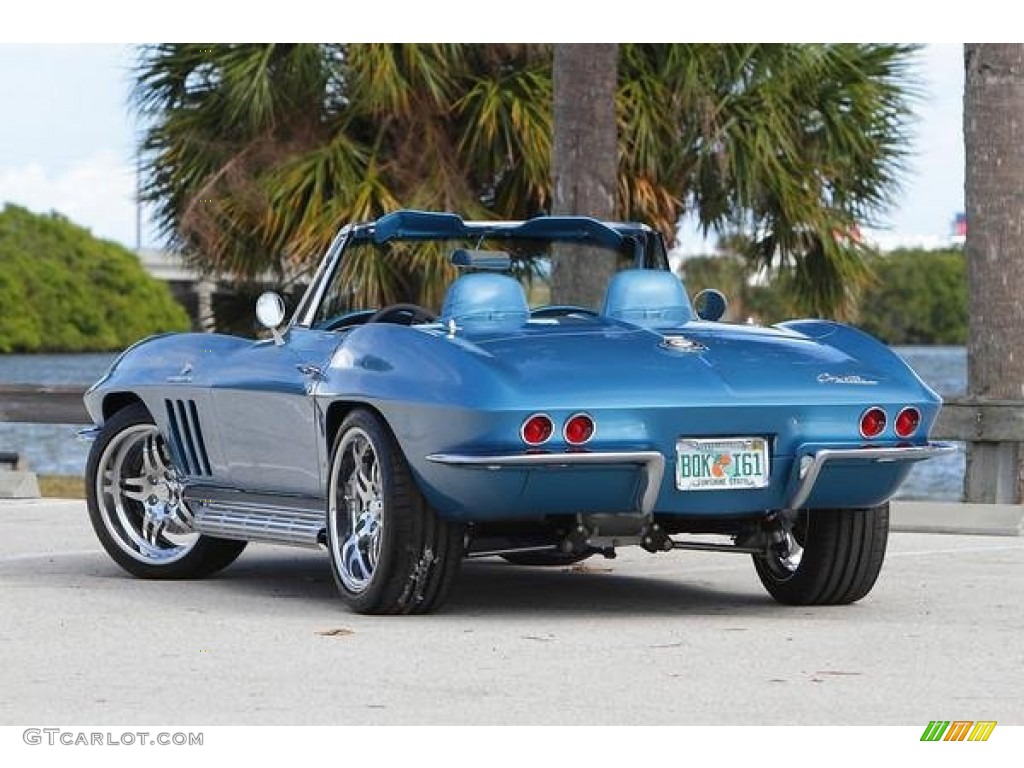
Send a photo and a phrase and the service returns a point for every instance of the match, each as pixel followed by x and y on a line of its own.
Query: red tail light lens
pixel 537 429
pixel 872 422
pixel 907 422
pixel 578 429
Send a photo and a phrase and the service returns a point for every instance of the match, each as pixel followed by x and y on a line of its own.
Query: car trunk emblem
pixel 853 378
pixel 682 344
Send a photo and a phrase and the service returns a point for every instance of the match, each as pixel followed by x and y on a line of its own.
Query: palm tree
pixel 993 110
pixel 585 161
pixel 254 153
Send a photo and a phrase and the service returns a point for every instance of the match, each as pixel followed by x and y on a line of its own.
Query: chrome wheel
pixel 356 510
pixel 784 559
pixel 390 553
pixel 139 500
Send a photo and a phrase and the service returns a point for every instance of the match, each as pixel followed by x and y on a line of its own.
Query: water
pixel 52 449
pixel 944 369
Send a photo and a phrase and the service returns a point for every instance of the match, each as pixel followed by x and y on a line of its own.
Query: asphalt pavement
pixel 679 638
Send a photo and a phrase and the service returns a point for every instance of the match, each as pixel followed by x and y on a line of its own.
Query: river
pixel 53 449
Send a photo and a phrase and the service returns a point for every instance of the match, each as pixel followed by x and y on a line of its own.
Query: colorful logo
pixel 719 468
pixel 958 730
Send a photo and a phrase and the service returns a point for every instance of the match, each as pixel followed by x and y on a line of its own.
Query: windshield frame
pixel 648 247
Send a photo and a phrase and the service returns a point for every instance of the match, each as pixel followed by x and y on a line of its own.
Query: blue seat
pixel 648 298
pixel 485 303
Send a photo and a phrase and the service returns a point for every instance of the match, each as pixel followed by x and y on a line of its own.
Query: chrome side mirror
pixel 710 304
pixel 270 312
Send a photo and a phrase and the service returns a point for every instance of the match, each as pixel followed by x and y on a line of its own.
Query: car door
pixel 267 426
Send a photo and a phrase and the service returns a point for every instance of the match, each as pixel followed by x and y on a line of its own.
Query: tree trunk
pixel 994 191
pixel 585 163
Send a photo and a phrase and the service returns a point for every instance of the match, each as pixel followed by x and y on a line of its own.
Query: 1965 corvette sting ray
pixel 403 441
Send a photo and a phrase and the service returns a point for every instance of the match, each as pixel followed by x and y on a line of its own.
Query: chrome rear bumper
pixel 652 462
pixel 811 464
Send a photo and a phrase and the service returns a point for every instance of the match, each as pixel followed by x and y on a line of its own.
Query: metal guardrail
pixel 37 404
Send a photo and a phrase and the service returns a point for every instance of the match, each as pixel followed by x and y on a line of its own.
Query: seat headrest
pixel 647 297
pixel 485 302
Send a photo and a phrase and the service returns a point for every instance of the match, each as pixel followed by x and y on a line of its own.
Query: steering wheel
pixel 415 313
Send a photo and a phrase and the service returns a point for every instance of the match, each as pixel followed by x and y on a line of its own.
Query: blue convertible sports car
pixel 403 440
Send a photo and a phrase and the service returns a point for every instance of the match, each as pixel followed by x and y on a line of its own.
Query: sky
pixel 67 139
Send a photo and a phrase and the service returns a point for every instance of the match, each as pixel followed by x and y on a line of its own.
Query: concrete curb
pixel 18 484
pixel 957 517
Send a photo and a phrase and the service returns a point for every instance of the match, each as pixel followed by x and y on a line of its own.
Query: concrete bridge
pixel 191 288
pixel 212 301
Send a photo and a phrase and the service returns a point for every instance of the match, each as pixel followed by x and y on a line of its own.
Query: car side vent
pixel 187 436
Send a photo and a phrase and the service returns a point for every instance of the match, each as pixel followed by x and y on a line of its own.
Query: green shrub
pixel 918 297
pixel 63 290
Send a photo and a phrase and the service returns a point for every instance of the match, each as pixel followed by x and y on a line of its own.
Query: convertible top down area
pixel 403 438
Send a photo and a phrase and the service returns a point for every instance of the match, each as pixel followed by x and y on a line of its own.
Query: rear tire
pixel 390 552
pixel 836 557
pixel 545 559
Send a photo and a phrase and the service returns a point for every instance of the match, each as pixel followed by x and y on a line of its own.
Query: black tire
pixel 120 521
pixel 390 554
pixel 843 550
pixel 545 559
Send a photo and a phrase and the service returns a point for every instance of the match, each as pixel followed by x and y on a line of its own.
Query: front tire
pixel 390 552
pixel 134 497
pixel 833 558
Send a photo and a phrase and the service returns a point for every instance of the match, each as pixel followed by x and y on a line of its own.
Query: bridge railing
pixel 40 404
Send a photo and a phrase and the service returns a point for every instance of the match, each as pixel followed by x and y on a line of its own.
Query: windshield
pixel 371 275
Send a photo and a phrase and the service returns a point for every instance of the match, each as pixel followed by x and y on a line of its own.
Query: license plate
pixel 722 463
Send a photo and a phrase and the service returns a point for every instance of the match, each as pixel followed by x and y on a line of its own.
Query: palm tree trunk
pixel 994 142
pixel 585 163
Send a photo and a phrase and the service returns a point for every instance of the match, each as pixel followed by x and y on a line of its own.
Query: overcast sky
pixel 67 137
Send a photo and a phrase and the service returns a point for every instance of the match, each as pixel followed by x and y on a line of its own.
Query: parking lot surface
pixel 680 638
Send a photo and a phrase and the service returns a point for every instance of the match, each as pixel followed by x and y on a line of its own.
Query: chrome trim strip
pixel 652 462
pixel 250 521
pixel 194 429
pixel 194 467
pixel 890 454
pixel 311 299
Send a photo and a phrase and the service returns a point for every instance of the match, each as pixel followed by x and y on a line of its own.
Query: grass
pixel 62 486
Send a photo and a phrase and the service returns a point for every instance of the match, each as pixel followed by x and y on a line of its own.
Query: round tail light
pixel 907 422
pixel 578 429
pixel 872 422
pixel 537 429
